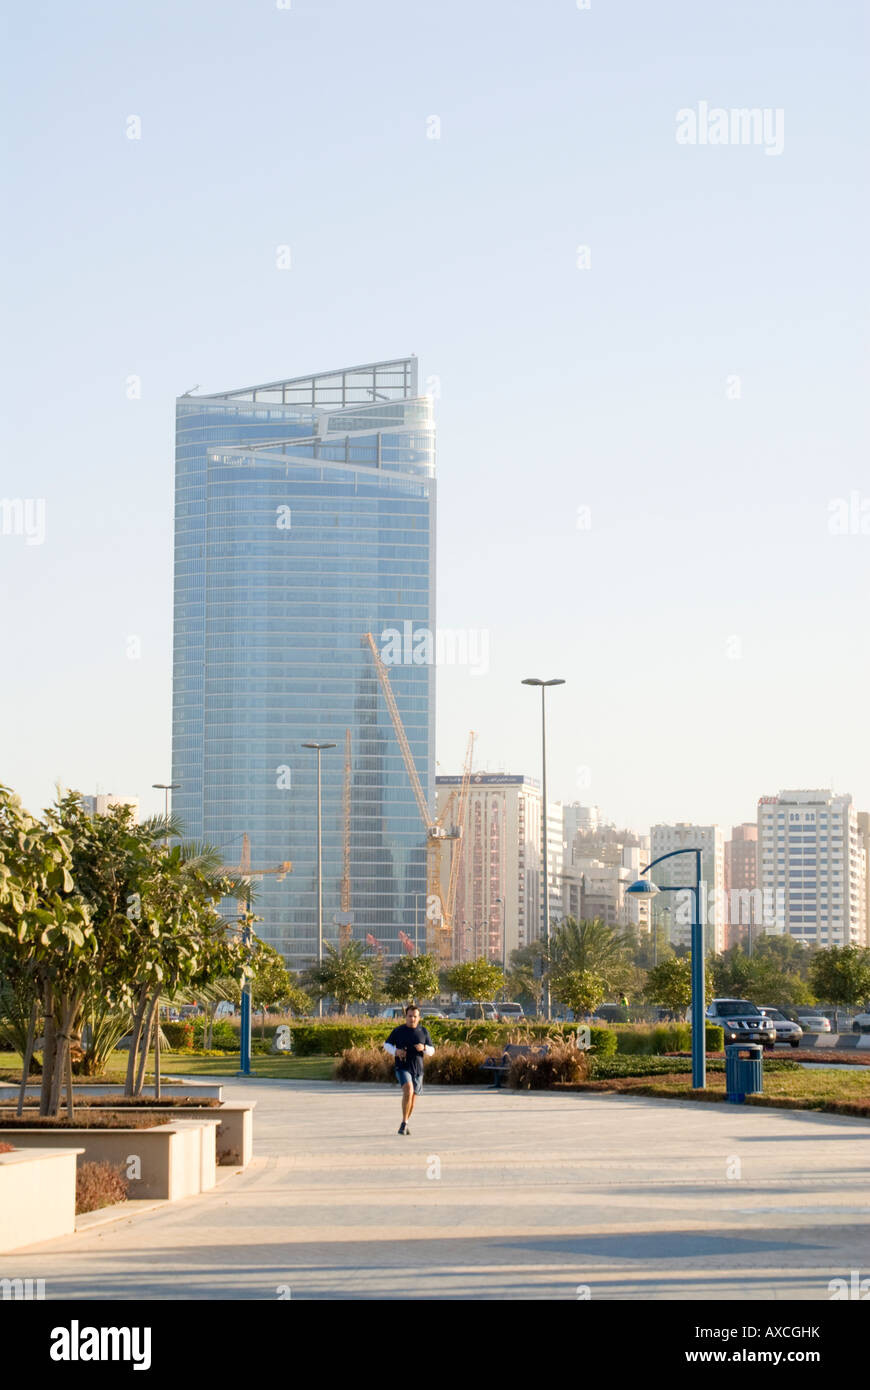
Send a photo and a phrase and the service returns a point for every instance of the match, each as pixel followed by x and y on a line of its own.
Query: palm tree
pixel 591 946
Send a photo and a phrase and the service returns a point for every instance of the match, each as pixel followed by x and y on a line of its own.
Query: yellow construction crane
pixel 435 832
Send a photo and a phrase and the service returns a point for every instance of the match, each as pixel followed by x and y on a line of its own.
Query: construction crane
pixel 435 832
pixel 243 868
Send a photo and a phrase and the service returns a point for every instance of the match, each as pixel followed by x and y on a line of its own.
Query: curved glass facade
pixel 305 518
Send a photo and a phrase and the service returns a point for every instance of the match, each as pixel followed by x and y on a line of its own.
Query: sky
pixel 648 357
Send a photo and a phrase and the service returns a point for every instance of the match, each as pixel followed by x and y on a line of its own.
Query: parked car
pixel 477 1012
pixel 510 1013
pixel 786 1030
pixel 395 1011
pixel 225 1009
pixel 861 1022
pixel 813 1023
pixel 741 1022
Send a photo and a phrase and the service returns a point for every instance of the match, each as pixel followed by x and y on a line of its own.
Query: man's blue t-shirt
pixel 405 1037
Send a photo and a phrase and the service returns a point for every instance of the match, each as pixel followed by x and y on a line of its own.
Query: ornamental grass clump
pixel 561 1064
pixel 99 1185
pixel 364 1064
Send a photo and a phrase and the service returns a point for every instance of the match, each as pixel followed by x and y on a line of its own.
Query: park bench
pixel 501 1068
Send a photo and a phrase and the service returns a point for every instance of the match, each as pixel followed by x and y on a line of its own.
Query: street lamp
pixel 545 1000
pixel 166 788
pixel 644 885
pixel 319 747
pixel 503 951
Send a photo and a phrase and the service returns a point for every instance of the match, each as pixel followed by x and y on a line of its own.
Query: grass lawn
pixel 188 1064
pixel 817 1086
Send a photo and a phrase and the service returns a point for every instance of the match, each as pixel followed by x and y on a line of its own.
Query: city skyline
pixel 650 417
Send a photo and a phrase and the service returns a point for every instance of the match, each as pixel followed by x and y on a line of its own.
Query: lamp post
pixel 545 999
pixel 319 747
pixel 166 788
pixel 644 885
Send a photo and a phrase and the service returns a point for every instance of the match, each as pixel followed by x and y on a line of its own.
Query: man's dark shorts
pixel 407 1078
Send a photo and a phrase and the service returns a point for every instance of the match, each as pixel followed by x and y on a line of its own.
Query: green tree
pixel 475 979
pixel 412 979
pixel 345 975
pixel 841 974
pixel 762 978
pixel 670 984
pixel 524 981
pixel 579 990
pixel 270 980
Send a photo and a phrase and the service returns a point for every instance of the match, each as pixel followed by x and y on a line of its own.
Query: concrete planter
pixel 37 1194
pixel 235 1128
pixel 206 1090
pixel 170 1161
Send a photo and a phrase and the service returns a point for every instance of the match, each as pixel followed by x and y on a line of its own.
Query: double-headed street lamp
pixel 166 788
pixel 545 996
pixel 319 747
pixel 646 886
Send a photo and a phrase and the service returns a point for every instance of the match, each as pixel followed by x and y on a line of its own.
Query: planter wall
pixel 37 1194
pixel 175 1160
pixel 206 1090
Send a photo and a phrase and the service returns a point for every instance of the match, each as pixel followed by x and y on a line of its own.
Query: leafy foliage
pixel 412 979
pixel 345 975
pixel 841 974
pixel 579 990
pixel 475 979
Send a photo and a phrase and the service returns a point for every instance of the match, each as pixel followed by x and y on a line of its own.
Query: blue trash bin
pixel 743 1071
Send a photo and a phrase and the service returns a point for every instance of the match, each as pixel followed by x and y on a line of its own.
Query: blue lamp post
pixel 644 885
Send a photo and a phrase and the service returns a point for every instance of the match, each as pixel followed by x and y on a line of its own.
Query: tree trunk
pixel 134 1041
pixel 28 1055
pixel 47 1054
pixel 69 1085
pixel 157 1057
pixel 61 1054
pixel 146 1041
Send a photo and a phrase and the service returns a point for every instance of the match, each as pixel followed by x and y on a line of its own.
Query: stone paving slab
pixel 496 1195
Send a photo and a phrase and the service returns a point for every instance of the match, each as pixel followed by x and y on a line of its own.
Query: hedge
pixel 332 1039
pixel 178 1035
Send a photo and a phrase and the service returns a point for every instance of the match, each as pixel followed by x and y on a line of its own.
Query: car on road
pixel 813 1023
pixel 861 1022
pixel 786 1030
pixel 473 1012
pixel 741 1022
pixel 511 1013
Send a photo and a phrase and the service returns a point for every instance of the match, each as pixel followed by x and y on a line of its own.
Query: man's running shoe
pixel 403 1128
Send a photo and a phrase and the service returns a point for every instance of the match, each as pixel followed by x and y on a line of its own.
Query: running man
pixel 408 1045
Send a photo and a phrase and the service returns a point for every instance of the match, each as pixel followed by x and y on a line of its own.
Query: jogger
pixel 409 1044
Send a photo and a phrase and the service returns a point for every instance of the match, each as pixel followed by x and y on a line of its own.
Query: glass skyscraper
pixel 305 519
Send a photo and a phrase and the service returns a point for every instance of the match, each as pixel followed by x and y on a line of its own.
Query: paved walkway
pixel 496 1195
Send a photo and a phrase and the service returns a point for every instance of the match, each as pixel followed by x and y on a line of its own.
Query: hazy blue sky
pixel 711 628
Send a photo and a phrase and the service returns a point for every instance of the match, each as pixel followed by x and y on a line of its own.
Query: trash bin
pixel 743 1071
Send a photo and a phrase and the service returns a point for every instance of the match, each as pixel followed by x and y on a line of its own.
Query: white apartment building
pixel 98 805
pixel 500 859
pixel 597 888
pixel 674 910
pixel 812 863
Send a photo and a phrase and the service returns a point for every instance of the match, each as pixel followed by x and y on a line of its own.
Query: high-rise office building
pixel 811 861
pixel 675 912
pixel 305 519
pixel 741 876
pixel 98 805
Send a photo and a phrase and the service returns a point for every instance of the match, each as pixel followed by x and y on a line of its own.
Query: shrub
pixel 179 1035
pixel 451 1065
pixel 460 1065
pixel 224 1038
pixel 364 1064
pixel 561 1063
pixel 604 1042
pixel 99 1185
pixel 665 1037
